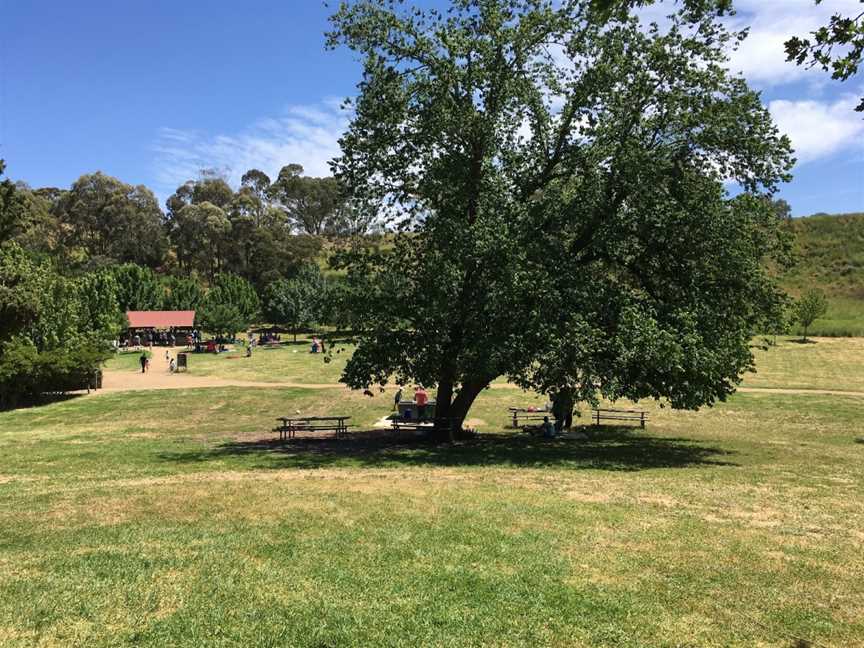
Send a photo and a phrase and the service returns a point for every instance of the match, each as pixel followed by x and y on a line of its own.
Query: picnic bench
pixel 290 425
pixel 528 416
pixel 619 415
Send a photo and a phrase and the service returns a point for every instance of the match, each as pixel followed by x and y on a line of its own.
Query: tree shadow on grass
pixel 606 448
pixel 41 401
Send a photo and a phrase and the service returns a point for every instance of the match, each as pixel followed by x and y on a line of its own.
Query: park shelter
pixel 161 327
pixel 161 320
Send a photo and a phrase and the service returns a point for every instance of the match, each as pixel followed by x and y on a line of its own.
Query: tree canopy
pixel 109 221
pixel 559 179
pixel 54 330
pixel 811 306
pixel 298 302
pixel 230 305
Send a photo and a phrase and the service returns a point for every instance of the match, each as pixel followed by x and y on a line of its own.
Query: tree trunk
pixel 443 405
pixel 459 407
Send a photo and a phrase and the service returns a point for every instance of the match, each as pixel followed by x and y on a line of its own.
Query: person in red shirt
pixel 420 399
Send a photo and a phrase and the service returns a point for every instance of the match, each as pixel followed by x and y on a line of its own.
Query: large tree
pixel 181 293
pixel 138 288
pixel 111 221
pixel 229 306
pixel 54 331
pixel 312 205
pixel 559 175
pixel 298 302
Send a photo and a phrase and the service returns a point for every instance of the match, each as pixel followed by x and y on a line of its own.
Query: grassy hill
pixel 829 255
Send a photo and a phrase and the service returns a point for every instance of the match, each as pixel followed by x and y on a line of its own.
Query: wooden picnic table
pixel 639 416
pixel 527 414
pixel 293 424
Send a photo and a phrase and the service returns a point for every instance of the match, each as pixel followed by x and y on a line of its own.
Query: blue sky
pixel 152 91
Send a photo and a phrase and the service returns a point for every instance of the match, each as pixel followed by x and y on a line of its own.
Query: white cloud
pixel 306 135
pixel 819 128
pixel 762 57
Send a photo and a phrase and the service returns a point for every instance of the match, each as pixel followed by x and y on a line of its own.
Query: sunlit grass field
pixel 826 363
pixel 287 363
pixel 845 317
pixel 172 518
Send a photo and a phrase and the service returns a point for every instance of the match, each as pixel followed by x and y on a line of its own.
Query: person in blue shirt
pixel 548 428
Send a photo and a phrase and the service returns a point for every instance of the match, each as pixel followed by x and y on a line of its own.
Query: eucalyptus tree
pixel 557 176
pixel 111 221
pixel 255 185
pixel 201 233
pixel 311 204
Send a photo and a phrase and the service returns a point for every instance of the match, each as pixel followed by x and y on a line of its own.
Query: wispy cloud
pixel 304 134
pixel 820 128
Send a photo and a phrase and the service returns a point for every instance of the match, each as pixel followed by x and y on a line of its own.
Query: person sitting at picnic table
pixel 548 428
pixel 420 399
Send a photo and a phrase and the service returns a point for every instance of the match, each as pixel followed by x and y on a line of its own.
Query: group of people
pixel 144 361
pixel 561 405
pixel 156 338
pixel 421 401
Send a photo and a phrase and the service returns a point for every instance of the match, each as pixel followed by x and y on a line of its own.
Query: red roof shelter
pixel 161 319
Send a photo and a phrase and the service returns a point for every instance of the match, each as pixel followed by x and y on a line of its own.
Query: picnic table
pixel 293 424
pixel 527 414
pixel 639 416
pixel 426 426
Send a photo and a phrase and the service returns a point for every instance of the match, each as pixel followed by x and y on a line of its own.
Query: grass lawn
pixel 845 317
pixel 289 363
pixel 824 363
pixel 170 519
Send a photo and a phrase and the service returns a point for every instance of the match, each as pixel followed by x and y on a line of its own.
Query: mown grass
pixel 845 318
pixel 171 518
pixel 821 363
pixel 287 363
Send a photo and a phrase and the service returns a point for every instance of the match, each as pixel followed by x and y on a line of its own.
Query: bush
pixel 26 373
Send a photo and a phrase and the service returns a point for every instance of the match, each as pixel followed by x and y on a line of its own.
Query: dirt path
pixel 159 378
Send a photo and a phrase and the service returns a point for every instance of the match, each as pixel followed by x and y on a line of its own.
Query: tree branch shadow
pixel 617 448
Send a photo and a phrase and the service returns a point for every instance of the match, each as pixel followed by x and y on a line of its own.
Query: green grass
pixel 825 363
pixel 845 318
pixel 288 363
pixel 829 256
pixel 822 363
pixel 170 518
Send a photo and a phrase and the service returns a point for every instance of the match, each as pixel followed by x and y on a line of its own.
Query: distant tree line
pixel 73 261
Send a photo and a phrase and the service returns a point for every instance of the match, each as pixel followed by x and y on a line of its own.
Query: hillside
pixel 829 255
